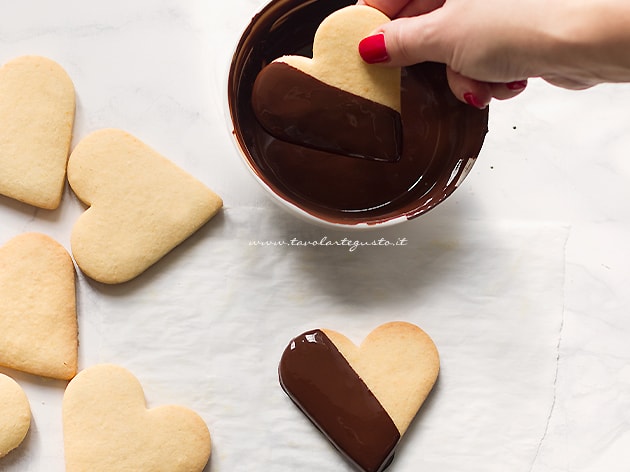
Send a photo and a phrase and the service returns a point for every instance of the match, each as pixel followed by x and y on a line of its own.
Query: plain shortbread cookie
pixel 15 415
pixel 38 318
pixel 141 205
pixel 37 106
pixel 108 428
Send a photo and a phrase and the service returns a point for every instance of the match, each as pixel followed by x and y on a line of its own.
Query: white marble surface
pixel 524 269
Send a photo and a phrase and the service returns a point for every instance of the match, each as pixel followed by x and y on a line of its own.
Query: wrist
pixel 587 42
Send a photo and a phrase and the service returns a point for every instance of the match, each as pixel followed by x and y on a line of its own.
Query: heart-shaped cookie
pixel 15 415
pixel 107 427
pixel 38 319
pixel 336 60
pixel 334 101
pixel 37 104
pixel 362 398
pixel 141 205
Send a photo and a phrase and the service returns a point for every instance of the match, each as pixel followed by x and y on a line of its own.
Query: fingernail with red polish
pixel 372 49
pixel 472 100
pixel 517 85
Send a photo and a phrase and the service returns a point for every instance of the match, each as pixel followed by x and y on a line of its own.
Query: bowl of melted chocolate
pixel 440 137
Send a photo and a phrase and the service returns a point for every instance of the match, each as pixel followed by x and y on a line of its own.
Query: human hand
pixel 491 47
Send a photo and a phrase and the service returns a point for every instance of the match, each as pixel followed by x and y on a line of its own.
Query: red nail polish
pixel 472 100
pixel 517 85
pixel 372 49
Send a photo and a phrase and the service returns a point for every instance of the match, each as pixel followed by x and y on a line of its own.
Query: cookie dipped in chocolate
pixel 441 136
pixel 294 106
pixel 319 380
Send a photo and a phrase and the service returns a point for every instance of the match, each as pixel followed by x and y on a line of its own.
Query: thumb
pixel 407 41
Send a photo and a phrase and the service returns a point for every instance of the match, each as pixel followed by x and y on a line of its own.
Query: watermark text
pixel 351 244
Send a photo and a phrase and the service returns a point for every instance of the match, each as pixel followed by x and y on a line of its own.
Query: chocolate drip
pixel 441 136
pixel 296 107
pixel 324 386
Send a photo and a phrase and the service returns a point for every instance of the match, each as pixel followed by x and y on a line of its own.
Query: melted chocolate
pixel 324 386
pixel 441 136
pixel 296 107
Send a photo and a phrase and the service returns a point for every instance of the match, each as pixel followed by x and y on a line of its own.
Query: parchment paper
pixel 206 328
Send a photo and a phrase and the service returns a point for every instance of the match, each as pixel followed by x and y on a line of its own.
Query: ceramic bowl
pixel 442 137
